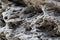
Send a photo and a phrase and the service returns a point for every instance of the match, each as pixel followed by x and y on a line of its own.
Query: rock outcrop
pixel 29 20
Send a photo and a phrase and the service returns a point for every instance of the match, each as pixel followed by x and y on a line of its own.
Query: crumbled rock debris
pixel 29 20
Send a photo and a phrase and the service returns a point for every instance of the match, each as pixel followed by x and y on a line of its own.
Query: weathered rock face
pixel 22 21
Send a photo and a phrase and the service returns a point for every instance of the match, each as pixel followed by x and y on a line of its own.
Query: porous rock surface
pixel 20 21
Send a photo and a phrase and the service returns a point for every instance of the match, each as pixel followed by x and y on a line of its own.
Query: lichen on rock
pixel 29 20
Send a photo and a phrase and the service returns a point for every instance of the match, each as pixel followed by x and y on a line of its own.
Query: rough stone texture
pixel 26 20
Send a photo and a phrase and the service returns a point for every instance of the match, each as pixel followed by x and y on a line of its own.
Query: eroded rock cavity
pixel 22 21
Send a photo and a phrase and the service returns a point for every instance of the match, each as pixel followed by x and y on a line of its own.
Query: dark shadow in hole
pixel 18 3
pixel 28 29
pixel 14 25
pixel 2 23
pixel 57 12
pixel 54 36
pixel 6 18
pixel 21 5
pixel 33 12
pixel 31 15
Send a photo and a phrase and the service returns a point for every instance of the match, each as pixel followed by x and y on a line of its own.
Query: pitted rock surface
pixel 26 20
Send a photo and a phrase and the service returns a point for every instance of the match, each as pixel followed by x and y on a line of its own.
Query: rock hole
pixel 31 15
pixel 6 17
pixel 18 3
pixel 2 23
pixel 14 25
pixel 0 3
pixel 0 6
pixel 56 12
pixel 14 10
pixel 28 29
